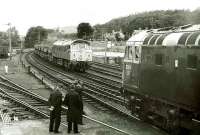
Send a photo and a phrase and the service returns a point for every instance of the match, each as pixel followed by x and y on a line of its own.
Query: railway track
pixel 109 81
pixel 100 108
pixel 29 100
pixel 115 67
pixel 92 94
pixel 105 74
pixel 16 94
pixel 92 90
pixel 92 87
pixel 35 104
pixel 12 108
pixel 89 97
pixel 103 69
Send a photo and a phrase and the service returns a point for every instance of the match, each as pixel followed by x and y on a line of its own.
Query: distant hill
pixel 68 29
pixel 150 20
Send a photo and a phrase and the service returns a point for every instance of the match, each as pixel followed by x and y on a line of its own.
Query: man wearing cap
pixel 55 102
pixel 74 114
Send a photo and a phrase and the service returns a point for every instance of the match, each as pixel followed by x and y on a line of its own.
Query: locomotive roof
pixel 69 42
pixel 62 42
pixel 183 35
pixel 81 41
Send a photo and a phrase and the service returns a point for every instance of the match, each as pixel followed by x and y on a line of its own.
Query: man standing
pixel 79 88
pixel 55 102
pixel 74 114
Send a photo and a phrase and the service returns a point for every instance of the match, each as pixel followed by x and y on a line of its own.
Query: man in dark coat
pixel 132 104
pixel 74 114
pixel 55 102
pixel 79 88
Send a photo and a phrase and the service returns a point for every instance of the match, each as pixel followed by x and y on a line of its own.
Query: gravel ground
pixel 20 75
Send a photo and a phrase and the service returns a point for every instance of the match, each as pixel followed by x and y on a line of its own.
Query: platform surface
pixel 29 127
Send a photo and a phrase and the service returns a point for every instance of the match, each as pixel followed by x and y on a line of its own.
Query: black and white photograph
pixel 100 67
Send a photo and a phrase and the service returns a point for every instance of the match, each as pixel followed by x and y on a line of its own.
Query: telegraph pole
pixel 38 37
pixel 10 40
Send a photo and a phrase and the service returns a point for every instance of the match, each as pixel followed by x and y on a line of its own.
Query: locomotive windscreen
pixel 81 46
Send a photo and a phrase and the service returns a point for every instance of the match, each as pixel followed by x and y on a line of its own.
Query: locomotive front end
pixel 81 54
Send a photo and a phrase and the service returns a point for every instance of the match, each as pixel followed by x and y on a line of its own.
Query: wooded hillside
pixel 149 20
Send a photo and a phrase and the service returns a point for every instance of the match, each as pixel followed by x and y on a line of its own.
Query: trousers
pixel 55 118
pixel 75 127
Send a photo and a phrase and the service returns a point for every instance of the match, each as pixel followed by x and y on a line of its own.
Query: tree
pixel 119 36
pixel 4 39
pixel 35 35
pixel 84 30
pixel 150 20
pixel 15 37
pixel 70 36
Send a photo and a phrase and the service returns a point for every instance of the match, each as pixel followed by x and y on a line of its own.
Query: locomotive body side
pixel 173 74
pixel 61 51
pixel 164 82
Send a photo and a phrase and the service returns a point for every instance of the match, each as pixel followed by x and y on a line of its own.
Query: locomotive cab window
pixel 192 61
pixel 159 59
pixel 128 52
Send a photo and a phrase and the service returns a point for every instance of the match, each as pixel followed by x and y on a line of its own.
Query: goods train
pixel 3 51
pixel 72 55
pixel 161 78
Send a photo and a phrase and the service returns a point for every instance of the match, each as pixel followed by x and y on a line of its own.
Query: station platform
pixel 40 127
pixel 29 127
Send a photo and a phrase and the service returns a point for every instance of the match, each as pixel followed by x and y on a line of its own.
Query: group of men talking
pixel 73 100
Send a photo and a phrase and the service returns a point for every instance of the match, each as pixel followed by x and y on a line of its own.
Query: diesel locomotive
pixel 161 78
pixel 71 55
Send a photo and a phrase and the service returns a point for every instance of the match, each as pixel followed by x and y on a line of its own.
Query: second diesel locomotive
pixel 161 77
pixel 72 55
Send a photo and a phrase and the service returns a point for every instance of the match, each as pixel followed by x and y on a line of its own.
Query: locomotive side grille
pixel 160 40
pixel 183 39
pixel 192 38
pixel 146 40
pixel 153 39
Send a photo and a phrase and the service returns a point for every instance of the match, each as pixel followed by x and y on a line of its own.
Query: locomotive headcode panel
pixel 81 51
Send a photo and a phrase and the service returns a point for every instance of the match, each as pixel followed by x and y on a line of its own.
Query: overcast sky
pixel 24 14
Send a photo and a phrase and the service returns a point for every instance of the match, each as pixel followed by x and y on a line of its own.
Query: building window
pixel 192 61
pixel 159 59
